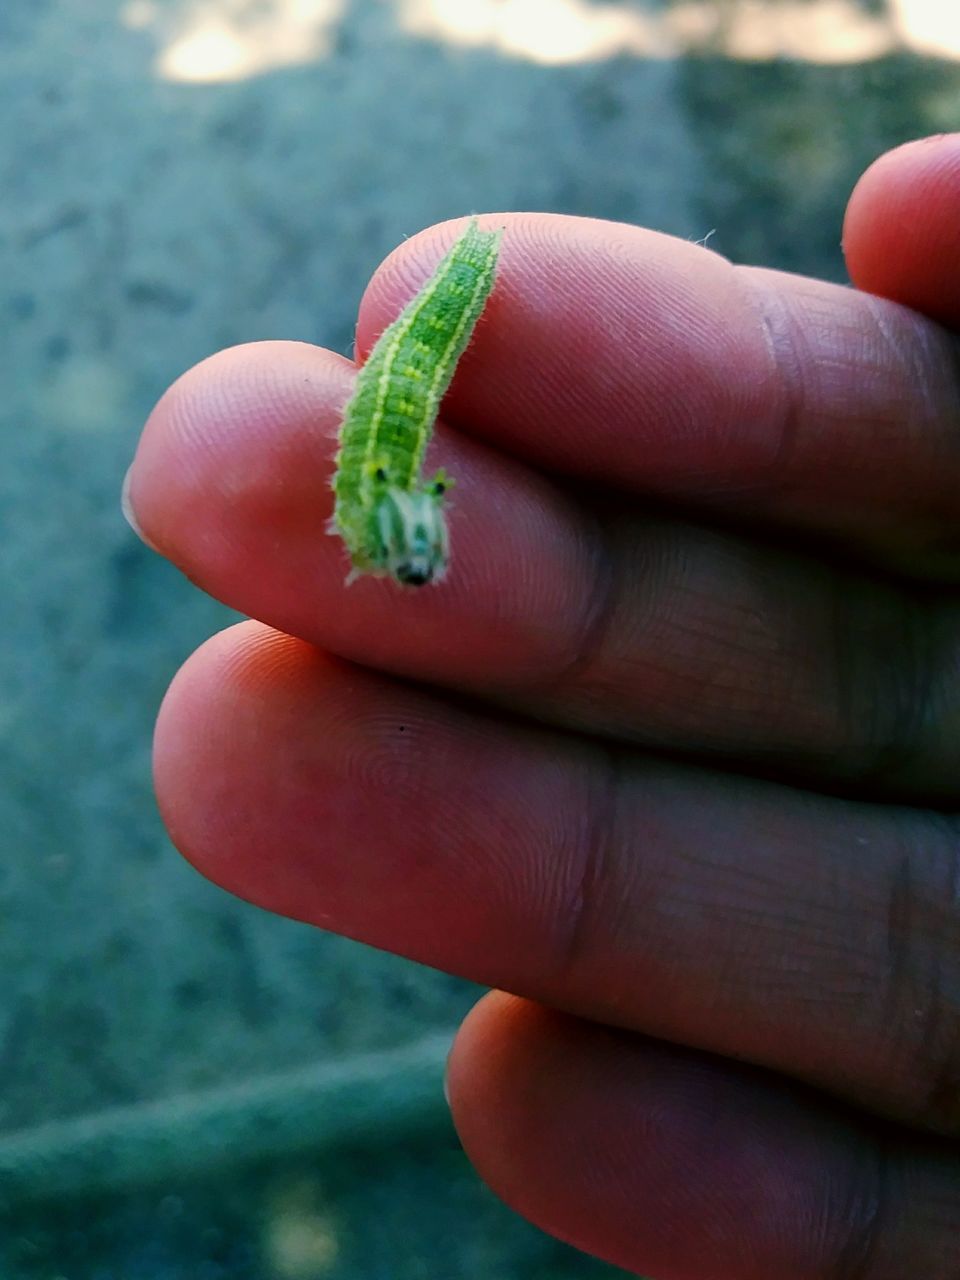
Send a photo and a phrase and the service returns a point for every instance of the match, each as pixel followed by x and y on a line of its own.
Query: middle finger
pixel 652 631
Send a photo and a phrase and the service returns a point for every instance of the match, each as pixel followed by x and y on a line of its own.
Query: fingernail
pixel 126 506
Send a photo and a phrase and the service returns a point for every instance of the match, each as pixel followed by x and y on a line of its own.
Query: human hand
pixel 697 810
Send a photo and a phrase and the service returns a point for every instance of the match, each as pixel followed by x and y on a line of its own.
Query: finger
pixel 649 630
pixel 679 1166
pixel 900 235
pixel 232 482
pixel 814 936
pixel 654 365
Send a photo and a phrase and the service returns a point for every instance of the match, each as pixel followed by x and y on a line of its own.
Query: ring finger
pixel 815 936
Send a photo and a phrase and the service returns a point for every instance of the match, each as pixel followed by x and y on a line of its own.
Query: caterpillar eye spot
pixel 390 519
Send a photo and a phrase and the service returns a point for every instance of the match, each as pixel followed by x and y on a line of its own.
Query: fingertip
pixel 497 1056
pixel 252 428
pixel 493 1026
pixel 206 729
pixel 901 232
pixel 215 431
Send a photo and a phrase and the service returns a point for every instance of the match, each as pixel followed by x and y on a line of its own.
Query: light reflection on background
pixel 576 31
pixel 213 41
pixel 220 40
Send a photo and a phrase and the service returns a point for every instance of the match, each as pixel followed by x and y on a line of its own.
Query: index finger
pixel 635 359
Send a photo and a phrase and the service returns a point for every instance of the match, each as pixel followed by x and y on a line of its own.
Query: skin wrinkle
pixel 909 1025
pixel 598 610
pixel 918 355
pixel 780 337
pixel 911 353
pixel 942 552
pixel 855 1258
pixel 888 695
pixel 647 556
pixel 748 642
pixel 915 1008
pixel 940 1024
pixel 598 840
pixel 907 680
pixel 879 718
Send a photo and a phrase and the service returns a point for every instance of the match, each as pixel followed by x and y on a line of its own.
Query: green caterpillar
pixel 390 518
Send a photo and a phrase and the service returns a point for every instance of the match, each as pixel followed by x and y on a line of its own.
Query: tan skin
pixel 698 813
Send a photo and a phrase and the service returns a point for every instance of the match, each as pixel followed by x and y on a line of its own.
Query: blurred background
pixel 191 1089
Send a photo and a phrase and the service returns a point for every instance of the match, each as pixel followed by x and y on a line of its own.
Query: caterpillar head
pixel 412 533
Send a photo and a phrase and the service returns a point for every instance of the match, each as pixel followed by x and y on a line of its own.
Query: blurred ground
pixel 179 176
